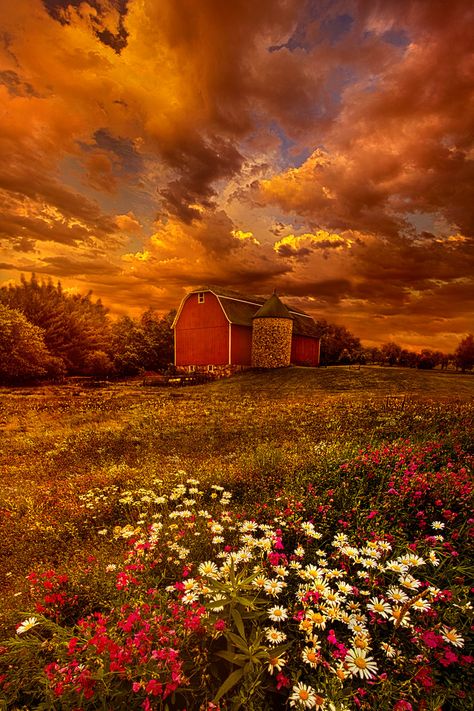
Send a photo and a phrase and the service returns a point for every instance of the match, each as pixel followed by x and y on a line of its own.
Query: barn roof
pixel 240 310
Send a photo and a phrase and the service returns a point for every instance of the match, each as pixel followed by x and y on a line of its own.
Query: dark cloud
pixel 212 132
pixel 97 13
pixel 15 85
pixel 199 165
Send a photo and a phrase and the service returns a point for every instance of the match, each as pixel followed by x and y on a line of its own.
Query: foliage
pixel 23 353
pixel 464 354
pixel 338 345
pixel 74 326
pixel 142 344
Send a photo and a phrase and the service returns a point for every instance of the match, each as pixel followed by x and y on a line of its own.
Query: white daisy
pixel 303 696
pixel 359 663
pixel 26 625
pixel 277 613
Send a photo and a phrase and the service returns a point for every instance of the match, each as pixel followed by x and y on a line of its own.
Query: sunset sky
pixel 320 147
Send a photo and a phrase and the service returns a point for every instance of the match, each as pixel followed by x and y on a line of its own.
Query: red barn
pixel 213 330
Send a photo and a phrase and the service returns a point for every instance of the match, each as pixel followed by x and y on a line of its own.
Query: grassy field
pixel 69 454
pixel 60 441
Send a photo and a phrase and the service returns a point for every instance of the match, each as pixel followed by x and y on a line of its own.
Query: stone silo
pixel 272 328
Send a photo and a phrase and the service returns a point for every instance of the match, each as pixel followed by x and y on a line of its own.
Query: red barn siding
pixel 196 343
pixel 241 345
pixel 304 350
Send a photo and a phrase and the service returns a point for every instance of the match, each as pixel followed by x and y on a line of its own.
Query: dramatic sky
pixel 320 147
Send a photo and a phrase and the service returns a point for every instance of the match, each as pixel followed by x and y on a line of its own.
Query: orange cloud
pixel 323 148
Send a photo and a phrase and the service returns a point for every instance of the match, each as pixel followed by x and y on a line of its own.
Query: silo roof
pixel 273 308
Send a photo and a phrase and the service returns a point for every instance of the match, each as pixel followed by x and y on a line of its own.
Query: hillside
pixel 335 380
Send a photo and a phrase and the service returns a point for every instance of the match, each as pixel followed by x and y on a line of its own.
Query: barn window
pixel 200 297
pixel 210 368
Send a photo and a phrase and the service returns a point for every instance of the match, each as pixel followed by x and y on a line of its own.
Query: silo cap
pixel 273 308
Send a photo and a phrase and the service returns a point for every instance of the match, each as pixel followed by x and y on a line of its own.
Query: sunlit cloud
pixel 325 149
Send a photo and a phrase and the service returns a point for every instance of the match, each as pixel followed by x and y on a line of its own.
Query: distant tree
pixel 336 341
pixel 98 363
pixel 464 353
pixel 126 346
pixel 345 358
pixel 23 352
pixel 408 359
pixel 373 355
pixel 74 326
pixel 445 360
pixel 143 344
pixel 391 353
pixel 159 345
pixel 427 359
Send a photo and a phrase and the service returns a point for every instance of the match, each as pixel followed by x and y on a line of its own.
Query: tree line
pixel 339 346
pixel 48 333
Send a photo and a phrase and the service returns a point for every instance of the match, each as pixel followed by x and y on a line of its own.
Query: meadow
pixel 292 539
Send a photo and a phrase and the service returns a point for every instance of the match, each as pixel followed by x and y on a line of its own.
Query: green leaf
pixel 238 622
pixel 245 602
pixel 238 641
pixel 228 684
pixel 231 657
pixel 217 603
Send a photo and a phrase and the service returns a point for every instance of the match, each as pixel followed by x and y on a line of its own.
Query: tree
pixel 74 326
pixel 430 359
pixel 143 344
pixel 408 359
pixel 391 353
pixel 337 342
pixel 23 352
pixel 464 353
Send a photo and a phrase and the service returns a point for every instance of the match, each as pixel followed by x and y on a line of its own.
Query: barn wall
pixel 201 333
pixel 241 345
pixel 305 350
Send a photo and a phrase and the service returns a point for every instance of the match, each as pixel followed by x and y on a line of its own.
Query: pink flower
pixel 424 677
pixel 431 639
pixel 403 705
pixel 154 687
pixel 282 681
pixel 449 658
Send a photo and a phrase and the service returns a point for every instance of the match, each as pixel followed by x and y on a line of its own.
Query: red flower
pixel 431 639
pixel 282 681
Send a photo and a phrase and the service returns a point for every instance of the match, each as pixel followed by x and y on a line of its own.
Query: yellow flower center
pixel 360 662
pixel 303 694
pixel 311 656
pixel 317 618
pixel 378 606
pixel 319 700
pixel 360 642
